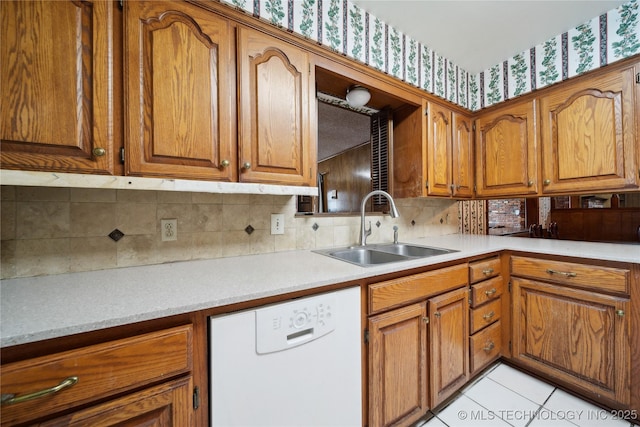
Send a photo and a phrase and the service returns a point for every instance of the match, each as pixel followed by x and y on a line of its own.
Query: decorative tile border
pixel 346 28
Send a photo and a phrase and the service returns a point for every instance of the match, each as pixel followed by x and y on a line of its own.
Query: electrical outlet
pixel 277 223
pixel 169 229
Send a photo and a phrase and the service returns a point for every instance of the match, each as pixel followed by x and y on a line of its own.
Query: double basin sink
pixel 376 254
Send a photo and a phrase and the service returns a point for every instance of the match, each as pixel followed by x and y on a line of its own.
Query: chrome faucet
pixel 364 232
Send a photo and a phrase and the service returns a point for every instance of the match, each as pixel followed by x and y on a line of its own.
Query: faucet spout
pixel 393 212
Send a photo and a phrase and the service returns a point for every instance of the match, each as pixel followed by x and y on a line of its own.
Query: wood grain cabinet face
pixel 102 370
pixel 589 141
pixel 417 360
pixel 485 299
pixel 166 405
pixel 276 142
pixel 506 151
pixel 57 86
pixel 448 343
pixel 449 153
pixel 577 336
pixel 179 90
pixel 397 366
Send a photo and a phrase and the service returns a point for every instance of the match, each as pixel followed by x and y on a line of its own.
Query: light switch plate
pixel 277 223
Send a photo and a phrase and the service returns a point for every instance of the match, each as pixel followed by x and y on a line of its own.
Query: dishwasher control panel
pixel 294 323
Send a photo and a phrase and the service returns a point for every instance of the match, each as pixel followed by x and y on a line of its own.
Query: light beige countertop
pixel 38 308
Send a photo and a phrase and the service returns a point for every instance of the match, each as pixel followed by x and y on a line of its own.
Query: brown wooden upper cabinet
pixel 276 87
pixel 432 152
pixel 588 137
pixel 449 153
pixel 57 86
pixel 506 151
pixel 180 92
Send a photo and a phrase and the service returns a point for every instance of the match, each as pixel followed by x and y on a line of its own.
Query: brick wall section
pixel 509 213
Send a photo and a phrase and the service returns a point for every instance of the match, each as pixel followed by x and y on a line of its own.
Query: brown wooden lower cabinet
pixel 114 382
pixel 485 347
pixel 578 337
pixel 486 301
pixel 166 405
pixel 448 344
pixel 397 366
pixel 417 360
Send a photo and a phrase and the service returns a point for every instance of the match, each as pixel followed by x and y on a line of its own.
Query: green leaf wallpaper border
pixel 356 32
pixel 344 27
pixel 305 21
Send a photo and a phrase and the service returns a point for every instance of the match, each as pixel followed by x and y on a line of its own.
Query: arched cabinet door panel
pixel 180 97
pixel 588 137
pixel 276 84
pixel 506 151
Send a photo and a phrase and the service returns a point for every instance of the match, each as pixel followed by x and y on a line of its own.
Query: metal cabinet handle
pixel 564 273
pixel 246 165
pixel 225 163
pixel 620 313
pixel 530 183
pixel 487 271
pixel 488 316
pixel 99 151
pixel 489 346
pixel 10 398
pixel 546 182
pixel 437 314
pixel 490 292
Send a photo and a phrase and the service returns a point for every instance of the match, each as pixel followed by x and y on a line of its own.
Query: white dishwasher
pixel 296 363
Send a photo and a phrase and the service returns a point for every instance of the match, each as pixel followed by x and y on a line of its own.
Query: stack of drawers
pixel 485 306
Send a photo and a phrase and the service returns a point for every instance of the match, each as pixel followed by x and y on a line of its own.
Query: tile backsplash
pixel 60 230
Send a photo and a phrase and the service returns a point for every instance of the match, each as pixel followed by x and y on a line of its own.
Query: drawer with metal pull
pixel 607 279
pixel 484 315
pixel 45 385
pixel 485 269
pixel 486 291
pixel 485 346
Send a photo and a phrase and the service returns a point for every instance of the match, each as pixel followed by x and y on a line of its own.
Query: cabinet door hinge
pixel 426 111
pixel 122 155
pixel 196 397
pixel 474 126
pixel 426 184
pixel 509 287
pixel 509 345
pixel 121 4
pixel 366 336
pixel 638 78
pixel 475 188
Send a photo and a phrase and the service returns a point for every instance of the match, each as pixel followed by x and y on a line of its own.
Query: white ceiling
pixel 478 34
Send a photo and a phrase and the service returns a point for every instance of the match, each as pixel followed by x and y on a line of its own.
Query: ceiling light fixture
pixel 358 96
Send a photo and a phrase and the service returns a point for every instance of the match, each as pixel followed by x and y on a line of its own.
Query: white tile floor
pixel 504 396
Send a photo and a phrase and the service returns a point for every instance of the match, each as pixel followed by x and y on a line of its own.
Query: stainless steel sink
pixel 369 255
pixel 365 256
pixel 412 251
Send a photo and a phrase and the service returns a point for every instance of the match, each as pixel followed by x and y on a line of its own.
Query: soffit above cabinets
pixel 476 35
